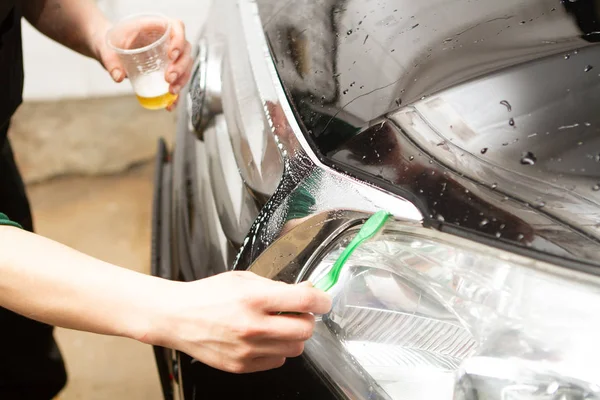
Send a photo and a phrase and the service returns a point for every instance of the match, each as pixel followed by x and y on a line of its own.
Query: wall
pixel 53 72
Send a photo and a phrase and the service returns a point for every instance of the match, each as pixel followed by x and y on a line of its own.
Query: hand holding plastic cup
pixel 142 43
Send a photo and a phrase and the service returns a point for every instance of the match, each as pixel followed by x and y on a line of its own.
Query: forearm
pixel 52 283
pixel 73 23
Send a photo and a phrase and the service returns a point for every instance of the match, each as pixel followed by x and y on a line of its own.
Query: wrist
pixel 151 317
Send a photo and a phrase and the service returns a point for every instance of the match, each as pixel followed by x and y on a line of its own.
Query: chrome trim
pixel 301 243
pixel 235 207
pixel 259 162
pixel 220 252
pixel 205 87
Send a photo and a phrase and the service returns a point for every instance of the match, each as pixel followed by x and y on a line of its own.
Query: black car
pixel 475 123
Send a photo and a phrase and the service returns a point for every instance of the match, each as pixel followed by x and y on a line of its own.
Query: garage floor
pixel 109 218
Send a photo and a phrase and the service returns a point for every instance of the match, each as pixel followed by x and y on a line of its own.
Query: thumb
pixel 112 63
pixel 306 284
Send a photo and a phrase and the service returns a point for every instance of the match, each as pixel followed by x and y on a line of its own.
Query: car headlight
pixel 417 316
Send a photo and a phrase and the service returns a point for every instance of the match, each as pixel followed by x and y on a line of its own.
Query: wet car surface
pixel 474 123
pixel 481 95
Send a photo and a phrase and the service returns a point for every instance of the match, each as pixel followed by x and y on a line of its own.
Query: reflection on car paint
pixel 504 90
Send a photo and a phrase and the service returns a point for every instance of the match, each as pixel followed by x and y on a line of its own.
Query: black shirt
pixel 11 60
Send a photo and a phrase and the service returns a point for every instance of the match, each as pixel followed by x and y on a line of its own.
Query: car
pixel 474 124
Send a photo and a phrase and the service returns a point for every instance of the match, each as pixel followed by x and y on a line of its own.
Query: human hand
pixel 231 321
pixel 177 73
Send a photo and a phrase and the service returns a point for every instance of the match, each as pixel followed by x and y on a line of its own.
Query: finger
pixel 296 298
pixel 179 72
pixel 172 106
pixel 113 65
pixel 178 85
pixel 184 73
pixel 264 364
pixel 177 40
pixel 275 348
pixel 292 328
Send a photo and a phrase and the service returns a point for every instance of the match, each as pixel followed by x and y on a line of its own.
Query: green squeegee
pixel 370 228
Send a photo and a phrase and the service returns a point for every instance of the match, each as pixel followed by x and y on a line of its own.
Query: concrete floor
pixel 109 218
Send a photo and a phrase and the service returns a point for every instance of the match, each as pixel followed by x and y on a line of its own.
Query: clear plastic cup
pixel 142 43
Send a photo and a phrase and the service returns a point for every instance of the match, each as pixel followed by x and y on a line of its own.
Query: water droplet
pixel 484 222
pixel 411 158
pixel 349 32
pixel 520 236
pixel 541 204
pixel 588 68
pixel 494 185
pixel 484 150
pixel 511 122
pixel 507 105
pixel 498 234
pixel 440 218
pixel 596 187
pixel 567 56
pixel 597 158
pixel 528 158
pixel 345 91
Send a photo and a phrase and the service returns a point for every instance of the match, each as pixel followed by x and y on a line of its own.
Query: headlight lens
pixel 422 317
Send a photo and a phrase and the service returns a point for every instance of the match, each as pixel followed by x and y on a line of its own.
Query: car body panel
pixel 495 100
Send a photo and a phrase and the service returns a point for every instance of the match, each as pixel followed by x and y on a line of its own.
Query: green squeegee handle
pixel 370 228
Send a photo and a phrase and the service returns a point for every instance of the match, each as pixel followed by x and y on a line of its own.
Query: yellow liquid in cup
pixel 157 102
pixel 152 91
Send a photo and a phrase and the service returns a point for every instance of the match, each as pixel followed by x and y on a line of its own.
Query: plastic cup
pixel 142 43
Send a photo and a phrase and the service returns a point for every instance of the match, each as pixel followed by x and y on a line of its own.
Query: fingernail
pixel 172 77
pixel 116 74
pixel 175 54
